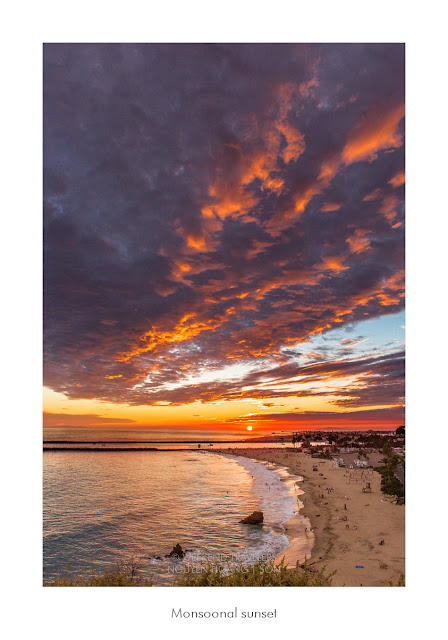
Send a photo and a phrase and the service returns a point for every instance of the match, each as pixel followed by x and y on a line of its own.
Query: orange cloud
pixel 187 328
pixel 331 206
pixel 276 141
pixel 376 131
pixel 307 88
pixel 196 242
pixel 149 341
pixel 389 204
pixel 349 345
pixel 295 142
pixel 398 179
pixel 377 194
pixel 358 242
pixel 332 263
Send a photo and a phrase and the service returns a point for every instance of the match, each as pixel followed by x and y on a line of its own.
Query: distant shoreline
pixel 109 450
pixel 92 448
pixel 147 442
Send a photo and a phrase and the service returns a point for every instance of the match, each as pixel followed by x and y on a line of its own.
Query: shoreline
pixel 298 528
pixel 347 524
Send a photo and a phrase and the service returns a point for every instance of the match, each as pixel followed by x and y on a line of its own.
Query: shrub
pixel 260 574
pixel 124 574
pixel 390 484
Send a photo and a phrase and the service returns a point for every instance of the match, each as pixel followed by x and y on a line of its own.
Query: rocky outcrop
pixel 255 518
pixel 176 553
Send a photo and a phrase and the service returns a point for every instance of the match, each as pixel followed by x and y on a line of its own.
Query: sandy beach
pixel 346 523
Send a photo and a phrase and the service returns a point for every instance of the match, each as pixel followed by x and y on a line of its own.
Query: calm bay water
pixel 103 507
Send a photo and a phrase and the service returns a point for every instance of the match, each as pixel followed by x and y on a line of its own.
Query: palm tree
pixel 295 438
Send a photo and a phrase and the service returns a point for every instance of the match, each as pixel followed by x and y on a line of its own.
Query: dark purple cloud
pixel 211 204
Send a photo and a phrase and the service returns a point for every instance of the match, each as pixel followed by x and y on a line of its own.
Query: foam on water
pixel 275 500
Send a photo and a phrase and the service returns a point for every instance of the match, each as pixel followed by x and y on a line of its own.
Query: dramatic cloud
pixel 212 206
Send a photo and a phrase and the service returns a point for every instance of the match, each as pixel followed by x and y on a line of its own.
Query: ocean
pixel 103 507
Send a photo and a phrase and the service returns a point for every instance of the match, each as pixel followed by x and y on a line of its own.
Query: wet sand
pixel 347 524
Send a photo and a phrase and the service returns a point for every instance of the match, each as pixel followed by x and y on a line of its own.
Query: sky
pixel 224 237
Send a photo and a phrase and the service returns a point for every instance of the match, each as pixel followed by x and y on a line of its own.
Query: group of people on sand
pixel 328 490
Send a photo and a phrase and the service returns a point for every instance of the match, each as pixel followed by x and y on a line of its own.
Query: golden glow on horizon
pixel 222 415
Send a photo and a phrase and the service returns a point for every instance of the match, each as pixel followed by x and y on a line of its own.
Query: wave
pixel 277 503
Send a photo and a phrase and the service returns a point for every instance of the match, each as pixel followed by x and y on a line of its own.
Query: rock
pixel 176 553
pixel 255 518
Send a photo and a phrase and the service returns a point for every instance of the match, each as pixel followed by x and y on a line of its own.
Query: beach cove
pixel 346 524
